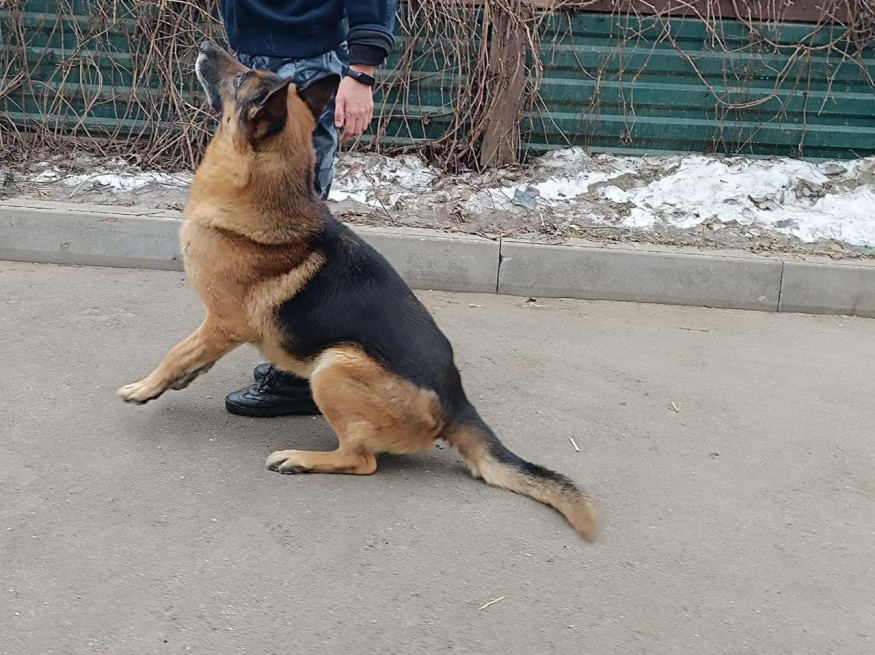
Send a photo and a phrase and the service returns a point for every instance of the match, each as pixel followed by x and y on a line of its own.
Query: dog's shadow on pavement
pixel 264 436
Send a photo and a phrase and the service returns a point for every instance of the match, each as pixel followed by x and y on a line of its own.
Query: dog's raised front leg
pixel 194 355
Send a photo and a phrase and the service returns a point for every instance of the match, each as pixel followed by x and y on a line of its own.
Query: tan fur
pixel 262 303
pixel 244 244
pixel 246 247
pixel 184 362
pixel 371 411
pixel 576 507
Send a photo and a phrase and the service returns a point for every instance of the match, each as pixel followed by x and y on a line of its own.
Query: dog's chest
pixel 231 273
pixel 218 268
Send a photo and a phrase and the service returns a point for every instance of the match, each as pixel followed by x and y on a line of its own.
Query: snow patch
pixel 376 181
pixel 614 194
pixel 739 196
pixel 785 195
pixel 561 189
pixel 48 175
pixel 127 181
pixel 123 178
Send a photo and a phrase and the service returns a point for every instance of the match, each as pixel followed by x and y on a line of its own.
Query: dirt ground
pixel 562 195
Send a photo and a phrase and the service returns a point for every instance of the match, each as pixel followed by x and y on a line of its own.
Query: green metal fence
pixel 608 82
pixel 649 84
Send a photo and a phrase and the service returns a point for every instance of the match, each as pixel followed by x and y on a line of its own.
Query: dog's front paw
pixel 141 392
pixel 284 461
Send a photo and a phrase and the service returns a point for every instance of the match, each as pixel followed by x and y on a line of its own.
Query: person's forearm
pixel 371 27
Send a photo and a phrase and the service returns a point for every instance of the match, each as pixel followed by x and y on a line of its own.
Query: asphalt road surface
pixel 731 456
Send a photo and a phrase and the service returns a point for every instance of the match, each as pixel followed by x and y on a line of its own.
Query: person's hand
pixel 354 106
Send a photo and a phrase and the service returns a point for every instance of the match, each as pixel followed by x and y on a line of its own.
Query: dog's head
pixel 256 106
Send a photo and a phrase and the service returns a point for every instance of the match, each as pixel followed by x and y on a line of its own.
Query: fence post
pixel 507 74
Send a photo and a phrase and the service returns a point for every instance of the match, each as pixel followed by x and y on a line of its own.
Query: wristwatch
pixel 363 78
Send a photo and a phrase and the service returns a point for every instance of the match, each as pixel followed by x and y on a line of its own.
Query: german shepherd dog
pixel 275 269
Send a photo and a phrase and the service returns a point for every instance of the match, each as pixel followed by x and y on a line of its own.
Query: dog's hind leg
pixel 193 356
pixel 348 458
pixel 370 410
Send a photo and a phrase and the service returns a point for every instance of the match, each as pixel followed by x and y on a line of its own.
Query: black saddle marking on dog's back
pixel 358 298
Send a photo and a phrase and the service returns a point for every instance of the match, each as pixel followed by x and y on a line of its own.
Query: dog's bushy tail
pixel 489 459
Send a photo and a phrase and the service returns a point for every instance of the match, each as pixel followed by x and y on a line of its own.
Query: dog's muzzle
pixel 208 74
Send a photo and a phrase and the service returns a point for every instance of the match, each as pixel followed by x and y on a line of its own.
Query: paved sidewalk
pixel 731 454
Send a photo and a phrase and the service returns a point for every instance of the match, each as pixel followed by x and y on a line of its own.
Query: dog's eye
pixel 238 79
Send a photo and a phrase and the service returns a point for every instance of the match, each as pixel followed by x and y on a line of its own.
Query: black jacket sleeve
pixel 371 26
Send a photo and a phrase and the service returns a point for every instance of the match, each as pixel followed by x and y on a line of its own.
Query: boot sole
pixel 251 412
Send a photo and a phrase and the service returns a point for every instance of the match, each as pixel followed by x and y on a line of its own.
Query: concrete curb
pixel 674 278
pixel 62 233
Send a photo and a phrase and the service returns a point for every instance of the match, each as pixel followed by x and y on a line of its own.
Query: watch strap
pixel 358 76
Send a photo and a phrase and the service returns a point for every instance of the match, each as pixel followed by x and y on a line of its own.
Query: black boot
pixel 261 371
pixel 275 393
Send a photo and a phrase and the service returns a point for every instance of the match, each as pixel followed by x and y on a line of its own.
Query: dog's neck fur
pixel 267 197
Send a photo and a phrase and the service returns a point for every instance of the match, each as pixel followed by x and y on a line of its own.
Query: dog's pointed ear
pixel 270 117
pixel 318 93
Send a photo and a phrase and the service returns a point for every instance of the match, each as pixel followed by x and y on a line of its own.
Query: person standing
pixel 306 40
